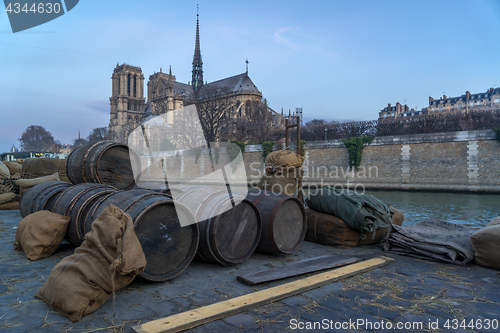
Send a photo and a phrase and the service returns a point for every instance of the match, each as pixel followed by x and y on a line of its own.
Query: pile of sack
pixel 16 177
pixel 344 218
pixel 109 259
pixel 282 172
pixel 9 191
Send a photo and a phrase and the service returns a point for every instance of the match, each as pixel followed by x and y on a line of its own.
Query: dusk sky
pixel 335 59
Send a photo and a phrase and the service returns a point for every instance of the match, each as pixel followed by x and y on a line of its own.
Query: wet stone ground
pixel 409 292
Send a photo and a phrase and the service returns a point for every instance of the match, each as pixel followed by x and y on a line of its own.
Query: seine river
pixel 474 210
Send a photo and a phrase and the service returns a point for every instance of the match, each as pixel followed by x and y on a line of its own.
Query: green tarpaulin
pixel 362 212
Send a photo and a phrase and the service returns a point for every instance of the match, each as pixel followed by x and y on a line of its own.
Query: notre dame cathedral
pixel 129 107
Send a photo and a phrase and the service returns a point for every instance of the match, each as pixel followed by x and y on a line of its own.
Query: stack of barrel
pixel 226 233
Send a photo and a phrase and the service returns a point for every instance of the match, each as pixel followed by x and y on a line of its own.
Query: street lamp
pixel 325 132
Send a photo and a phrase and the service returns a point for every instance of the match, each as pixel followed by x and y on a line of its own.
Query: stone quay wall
pixel 455 161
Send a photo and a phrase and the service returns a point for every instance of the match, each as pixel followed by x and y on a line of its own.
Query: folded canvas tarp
pixel 362 212
pixel 432 239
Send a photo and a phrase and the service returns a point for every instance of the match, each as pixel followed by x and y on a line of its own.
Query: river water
pixel 474 210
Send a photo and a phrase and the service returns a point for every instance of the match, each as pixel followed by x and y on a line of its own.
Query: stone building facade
pixel 129 107
pixel 467 102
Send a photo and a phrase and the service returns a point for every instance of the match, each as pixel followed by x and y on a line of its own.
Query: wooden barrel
pixel 41 197
pixel 159 187
pixel 39 167
pixel 284 222
pixel 104 162
pixel 169 248
pixel 74 202
pixel 228 235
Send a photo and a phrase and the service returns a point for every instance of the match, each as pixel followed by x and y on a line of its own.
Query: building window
pixel 471 104
pixel 440 109
pixel 128 85
pixel 392 114
pixel 497 100
pixel 135 85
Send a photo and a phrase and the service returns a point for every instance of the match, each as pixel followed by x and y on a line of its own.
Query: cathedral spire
pixel 197 79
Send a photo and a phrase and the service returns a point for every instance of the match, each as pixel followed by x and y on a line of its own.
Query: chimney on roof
pixel 398 107
pixel 406 108
pixel 389 107
pixel 491 91
pixel 430 100
pixel 444 96
pixel 467 95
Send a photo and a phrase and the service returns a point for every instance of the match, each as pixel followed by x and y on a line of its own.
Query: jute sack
pixel 282 172
pixel 40 234
pixel 109 259
pixel 4 171
pixel 486 244
pixel 7 197
pixel 14 167
pixel 26 184
pixel 495 221
pixel 9 205
pixel 398 217
pixel 284 158
pixel 329 230
pixel 39 167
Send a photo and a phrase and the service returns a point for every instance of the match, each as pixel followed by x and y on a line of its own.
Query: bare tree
pixel 213 106
pixel 98 134
pixel 36 137
pixel 316 122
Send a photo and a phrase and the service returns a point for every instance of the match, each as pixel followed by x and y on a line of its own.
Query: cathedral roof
pixel 182 89
pixel 237 83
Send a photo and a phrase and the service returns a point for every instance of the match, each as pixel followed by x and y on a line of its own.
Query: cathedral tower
pixel 197 79
pixel 127 100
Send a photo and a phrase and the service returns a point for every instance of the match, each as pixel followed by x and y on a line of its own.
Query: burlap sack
pixel 40 234
pixel 398 217
pixel 495 221
pixel 109 259
pixel 14 167
pixel 486 244
pixel 284 158
pixel 282 181
pixel 39 167
pixel 4 171
pixel 9 205
pixel 329 230
pixel 26 184
pixel 282 172
pixel 7 197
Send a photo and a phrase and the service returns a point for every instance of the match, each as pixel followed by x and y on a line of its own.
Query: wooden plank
pixel 205 314
pixel 297 268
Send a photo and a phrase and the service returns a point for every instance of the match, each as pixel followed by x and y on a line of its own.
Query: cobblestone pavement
pixel 407 291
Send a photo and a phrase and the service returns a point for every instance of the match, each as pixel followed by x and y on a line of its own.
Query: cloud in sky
pixel 280 39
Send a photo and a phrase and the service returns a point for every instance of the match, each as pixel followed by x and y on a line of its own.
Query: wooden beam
pixel 206 314
pixel 297 268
